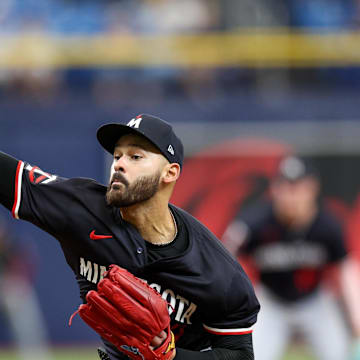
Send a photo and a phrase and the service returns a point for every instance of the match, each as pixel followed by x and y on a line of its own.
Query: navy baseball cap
pixel 154 129
pixel 293 168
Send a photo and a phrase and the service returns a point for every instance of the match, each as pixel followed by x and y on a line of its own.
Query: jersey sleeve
pixel 8 171
pixel 227 347
pixel 34 195
pixel 251 221
pixel 235 237
pixel 335 240
pixel 239 313
pixel 240 234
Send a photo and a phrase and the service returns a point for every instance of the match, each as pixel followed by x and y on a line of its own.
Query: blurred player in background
pixel 18 301
pixel 291 240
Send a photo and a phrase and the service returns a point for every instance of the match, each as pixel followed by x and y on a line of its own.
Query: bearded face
pixel 120 193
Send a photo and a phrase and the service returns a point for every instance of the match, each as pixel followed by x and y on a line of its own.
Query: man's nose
pixel 119 164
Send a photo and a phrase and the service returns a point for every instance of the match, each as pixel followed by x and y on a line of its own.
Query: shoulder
pixel 231 289
pixel 191 220
pixel 207 242
pixel 194 225
pixel 87 191
pixel 257 214
pixel 37 177
pixel 86 184
pixel 327 221
pixel 44 185
pixel 43 179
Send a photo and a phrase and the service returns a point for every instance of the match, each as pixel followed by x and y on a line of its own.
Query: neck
pixel 152 219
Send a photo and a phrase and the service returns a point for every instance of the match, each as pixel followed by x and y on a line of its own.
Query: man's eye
pixel 135 157
pixel 116 157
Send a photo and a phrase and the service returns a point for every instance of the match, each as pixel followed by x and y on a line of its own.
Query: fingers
pixel 158 340
pixel 132 285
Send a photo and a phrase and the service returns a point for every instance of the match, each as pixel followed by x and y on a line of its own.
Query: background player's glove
pixel 131 315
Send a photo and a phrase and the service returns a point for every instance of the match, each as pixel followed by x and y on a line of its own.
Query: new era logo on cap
pixel 171 150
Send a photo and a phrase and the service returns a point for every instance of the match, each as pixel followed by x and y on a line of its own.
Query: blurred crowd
pixel 129 84
pixel 149 16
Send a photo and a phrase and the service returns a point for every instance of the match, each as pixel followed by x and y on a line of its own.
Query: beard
pixel 127 194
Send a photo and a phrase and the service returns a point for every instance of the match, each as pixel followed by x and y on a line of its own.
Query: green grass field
pixel 70 353
pixel 90 354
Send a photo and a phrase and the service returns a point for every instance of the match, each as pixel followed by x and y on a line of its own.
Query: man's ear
pixel 171 172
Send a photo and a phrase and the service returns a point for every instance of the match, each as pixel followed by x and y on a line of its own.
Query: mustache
pixel 119 177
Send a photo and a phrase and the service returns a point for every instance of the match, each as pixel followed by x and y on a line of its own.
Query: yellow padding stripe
pixel 171 344
pixel 246 48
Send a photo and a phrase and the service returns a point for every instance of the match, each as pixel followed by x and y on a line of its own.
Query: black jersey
pixel 291 263
pixel 176 247
pixel 207 289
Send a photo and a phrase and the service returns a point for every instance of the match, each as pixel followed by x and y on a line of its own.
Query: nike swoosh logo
pixel 93 236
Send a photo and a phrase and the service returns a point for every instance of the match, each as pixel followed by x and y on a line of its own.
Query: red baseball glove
pixel 131 315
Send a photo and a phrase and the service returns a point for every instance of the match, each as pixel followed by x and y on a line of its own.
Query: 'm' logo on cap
pixel 134 123
pixel 171 150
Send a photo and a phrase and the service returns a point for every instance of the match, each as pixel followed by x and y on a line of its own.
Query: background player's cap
pixel 294 168
pixel 156 130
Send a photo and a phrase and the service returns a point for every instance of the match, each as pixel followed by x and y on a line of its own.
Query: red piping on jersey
pixel 228 331
pixel 16 195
